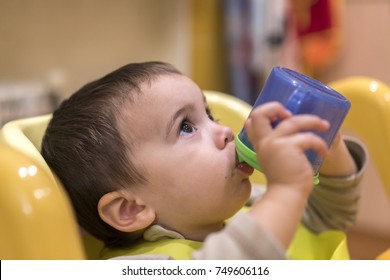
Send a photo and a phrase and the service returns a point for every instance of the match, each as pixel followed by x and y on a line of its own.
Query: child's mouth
pixel 245 168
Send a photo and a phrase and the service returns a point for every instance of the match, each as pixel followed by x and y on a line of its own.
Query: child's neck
pixel 200 234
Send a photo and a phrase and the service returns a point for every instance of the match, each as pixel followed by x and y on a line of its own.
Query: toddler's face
pixel 194 180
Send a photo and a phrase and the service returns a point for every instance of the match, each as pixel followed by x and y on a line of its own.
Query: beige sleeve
pixel 333 204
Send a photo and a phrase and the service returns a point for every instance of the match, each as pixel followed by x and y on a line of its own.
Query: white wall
pixel 366 41
pixel 70 42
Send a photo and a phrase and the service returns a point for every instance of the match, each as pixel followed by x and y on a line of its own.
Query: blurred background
pixel 50 48
pixel 226 45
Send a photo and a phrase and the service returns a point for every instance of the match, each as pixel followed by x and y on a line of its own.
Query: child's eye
pixel 186 128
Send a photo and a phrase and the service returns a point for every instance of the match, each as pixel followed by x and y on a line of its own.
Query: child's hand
pixel 281 150
pixel 281 154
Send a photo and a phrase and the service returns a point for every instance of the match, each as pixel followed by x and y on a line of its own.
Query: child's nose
pixel 223 136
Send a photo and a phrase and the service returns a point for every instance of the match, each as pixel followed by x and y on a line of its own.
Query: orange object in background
pixel 384 256
pixel 318 30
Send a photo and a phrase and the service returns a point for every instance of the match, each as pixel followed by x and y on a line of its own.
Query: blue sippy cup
pixel 301 95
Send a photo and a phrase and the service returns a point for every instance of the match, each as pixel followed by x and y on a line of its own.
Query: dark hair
pixel 84 148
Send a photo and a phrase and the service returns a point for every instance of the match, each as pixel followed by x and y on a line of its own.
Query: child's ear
pixel 125 212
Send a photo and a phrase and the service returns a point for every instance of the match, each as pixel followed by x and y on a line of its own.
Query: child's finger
pixel 309 140
pixel 270 111
pixel 300 123
pixel 261 118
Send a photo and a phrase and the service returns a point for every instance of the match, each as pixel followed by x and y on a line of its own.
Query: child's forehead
pixel 159 101
pixel 170 88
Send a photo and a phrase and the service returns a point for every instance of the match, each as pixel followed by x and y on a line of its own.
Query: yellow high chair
pixel 36 218
pixel 369 120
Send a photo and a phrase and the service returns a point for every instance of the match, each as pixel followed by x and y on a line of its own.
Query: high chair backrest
pixel 369 119
pixel 36 219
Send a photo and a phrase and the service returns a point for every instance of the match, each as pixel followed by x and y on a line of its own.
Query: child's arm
pixel 334 203
pixel 339 162
pixel 281 154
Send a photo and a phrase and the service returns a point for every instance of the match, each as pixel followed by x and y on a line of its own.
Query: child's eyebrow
pixel 208 110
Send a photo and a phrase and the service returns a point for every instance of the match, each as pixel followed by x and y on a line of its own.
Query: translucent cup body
pixel 301 95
